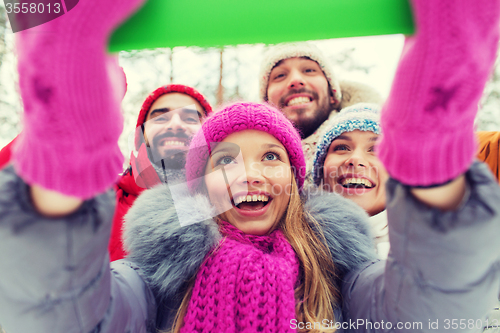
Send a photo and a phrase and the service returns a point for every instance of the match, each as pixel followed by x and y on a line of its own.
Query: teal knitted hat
pixel 361 116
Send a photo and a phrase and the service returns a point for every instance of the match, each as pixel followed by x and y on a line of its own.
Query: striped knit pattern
pixel 239 117
pixel 246 285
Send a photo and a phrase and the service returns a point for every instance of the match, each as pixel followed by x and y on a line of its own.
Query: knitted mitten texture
pixel 427 122
pixel 71 90
pixel 245 285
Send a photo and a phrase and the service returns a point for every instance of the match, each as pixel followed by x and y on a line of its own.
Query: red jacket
pixel 126 193
pixel 141 174
pixel 5 154
pixel 137 178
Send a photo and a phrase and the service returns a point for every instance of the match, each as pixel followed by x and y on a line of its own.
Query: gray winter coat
pixel 443 268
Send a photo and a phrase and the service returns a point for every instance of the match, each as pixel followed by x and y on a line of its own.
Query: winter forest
pixel 226 74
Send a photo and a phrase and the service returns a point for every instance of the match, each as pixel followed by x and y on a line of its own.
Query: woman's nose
pixel 357 159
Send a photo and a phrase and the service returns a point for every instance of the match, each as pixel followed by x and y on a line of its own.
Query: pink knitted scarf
pixel 245 285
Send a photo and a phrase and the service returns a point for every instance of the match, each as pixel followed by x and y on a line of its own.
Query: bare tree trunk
pixel 3 31
pixel 488 118
pixel 172 65
pixel 220 88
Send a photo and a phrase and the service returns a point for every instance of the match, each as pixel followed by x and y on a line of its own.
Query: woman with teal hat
pixel 346 163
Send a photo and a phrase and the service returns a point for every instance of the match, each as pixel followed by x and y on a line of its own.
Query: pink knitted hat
pixel 239 117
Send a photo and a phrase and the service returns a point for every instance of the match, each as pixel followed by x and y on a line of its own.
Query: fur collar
pixel 168 234
pixel 357 92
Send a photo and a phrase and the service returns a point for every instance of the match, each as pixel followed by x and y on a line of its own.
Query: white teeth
pixel 174 143
pixel 298 100
pixel 250 198
pixel 356 181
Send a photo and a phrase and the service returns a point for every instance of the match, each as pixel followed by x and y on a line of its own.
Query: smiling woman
pixel 258 184
pixel 251 169
pixel 346 162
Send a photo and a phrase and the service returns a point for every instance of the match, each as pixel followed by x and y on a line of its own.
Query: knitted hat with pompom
pixel 239 117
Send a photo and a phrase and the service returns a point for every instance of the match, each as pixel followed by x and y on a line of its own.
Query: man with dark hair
pixel 168 119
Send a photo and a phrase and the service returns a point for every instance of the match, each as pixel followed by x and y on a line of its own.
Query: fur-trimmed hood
pixel 168 235
pixel 357 92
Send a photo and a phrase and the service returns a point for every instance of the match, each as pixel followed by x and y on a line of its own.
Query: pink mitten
pixel 71 90
pixel 427 121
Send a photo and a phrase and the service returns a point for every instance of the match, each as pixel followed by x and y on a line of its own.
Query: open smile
pixel 298 100
pixel 251 204
pixel 173 143
pixel 355 184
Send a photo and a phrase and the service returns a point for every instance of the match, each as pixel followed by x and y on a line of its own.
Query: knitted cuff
pixel 427 122
pixel 71 91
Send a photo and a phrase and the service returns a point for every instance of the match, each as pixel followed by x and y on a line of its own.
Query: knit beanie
pixel 361 116
pixel 169 88
pixel 284 51
pixel 239 117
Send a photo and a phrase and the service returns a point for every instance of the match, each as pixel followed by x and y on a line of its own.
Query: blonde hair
pixel 316 294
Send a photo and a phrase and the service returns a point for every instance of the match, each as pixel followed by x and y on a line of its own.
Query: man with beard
pixel 168 119
pixel 298 80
